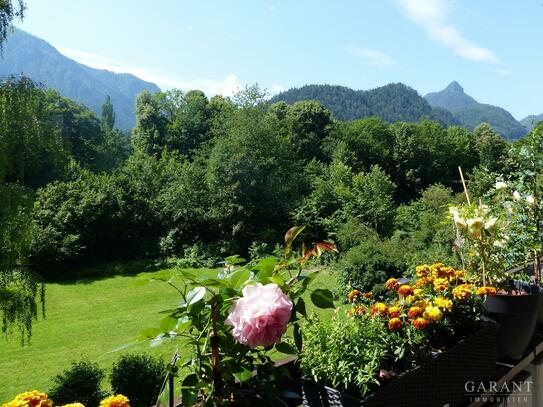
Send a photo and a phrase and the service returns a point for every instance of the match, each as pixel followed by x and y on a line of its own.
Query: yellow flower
pixel 421 282
pixel 490 291
pixel 459 274
pixel 394 324
pixel 441 284
pixel 73 405
pixel 395 311
pixel 391 284
pixel 115 401
pixel 405 290
pixel 423 270
pixel 417 292
pixel 443 303
pixel 379 308
pixel 432 313
pixel 462 291
pixel 421 304
pixel 353 295
pixel 32 398
pixel 436 269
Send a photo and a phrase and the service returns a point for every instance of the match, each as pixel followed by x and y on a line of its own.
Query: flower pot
pixel 516 316
pixel 533 288
pixel 438 382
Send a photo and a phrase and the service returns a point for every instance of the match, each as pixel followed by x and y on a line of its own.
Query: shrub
pixel 139 377
pixel 371 262
pixel 79 383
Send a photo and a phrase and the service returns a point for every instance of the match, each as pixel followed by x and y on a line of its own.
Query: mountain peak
pixel 454 87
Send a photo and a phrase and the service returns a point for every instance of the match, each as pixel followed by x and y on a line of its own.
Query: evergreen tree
pixel 108 114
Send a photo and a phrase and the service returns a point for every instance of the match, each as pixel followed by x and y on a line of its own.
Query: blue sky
pixel 491 47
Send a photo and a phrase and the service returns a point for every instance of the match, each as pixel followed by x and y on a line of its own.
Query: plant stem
pixel 464 185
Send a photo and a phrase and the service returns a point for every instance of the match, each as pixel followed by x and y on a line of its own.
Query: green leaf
pixel 323 298
pixel 239 277
pixel 292 234
pixel 300 307
pixel 243 375
pixel 286 348
pixel 149 333
pixel 277 279
pixel 298 337
pixel 168 324
pixel 235 259
pixel 195 295
pixel 266 264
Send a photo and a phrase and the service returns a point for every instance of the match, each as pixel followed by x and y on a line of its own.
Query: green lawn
pixel 89 318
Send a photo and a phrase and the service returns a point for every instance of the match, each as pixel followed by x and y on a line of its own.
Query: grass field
pixel 89 318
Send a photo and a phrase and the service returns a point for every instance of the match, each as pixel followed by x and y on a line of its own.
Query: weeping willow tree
pixel 19 287
pixel 10 10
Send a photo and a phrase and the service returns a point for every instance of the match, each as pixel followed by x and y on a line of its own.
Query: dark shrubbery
pixel 80 383
pixel 139 378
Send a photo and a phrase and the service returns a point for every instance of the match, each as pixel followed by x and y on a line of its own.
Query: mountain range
pixel 26 54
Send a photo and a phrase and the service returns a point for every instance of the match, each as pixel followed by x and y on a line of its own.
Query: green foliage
pixel 80 383
pixel 348 353
pixel 491 147
pixel 174 120
pixel 371 261
pixel 253 176
pixel 392 103
pixel 338 195
pixel 108 114
pixel 10 10
pixel 18 285
pixel 423 229
pixel 138 377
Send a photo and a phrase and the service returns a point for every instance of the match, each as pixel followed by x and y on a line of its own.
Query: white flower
pixel 491 222
pixel 500 185
pixel 530 199
pixel 516 196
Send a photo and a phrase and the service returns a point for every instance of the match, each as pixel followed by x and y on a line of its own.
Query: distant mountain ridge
pixel 35 58
pixel 471 113
pixel 530 121
pixel 394 102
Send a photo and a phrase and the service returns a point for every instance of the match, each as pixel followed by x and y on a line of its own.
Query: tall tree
pixel 9 11
pixel 108 114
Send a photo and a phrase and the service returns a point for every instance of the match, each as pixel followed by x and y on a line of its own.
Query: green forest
pixel 199 179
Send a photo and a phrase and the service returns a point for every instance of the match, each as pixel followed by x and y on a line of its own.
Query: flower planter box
pixel 441 381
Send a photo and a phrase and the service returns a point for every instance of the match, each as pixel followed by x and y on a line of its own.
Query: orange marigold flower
pixel 441 284
pixel 459 274
pixel 360 310
pixel 405 290
pixel 414 312
pixel 421 282
pixel 353 295
pixel 367 295
pixel 436 269
pixel 115 401
pixel 32 398
pixel 394 311
pixel 420 323
pixel 423 270
pixel 391 284
pixel 462 291
pixel 379 308
pixel 394 324
pixel 490 291
pixel 422 304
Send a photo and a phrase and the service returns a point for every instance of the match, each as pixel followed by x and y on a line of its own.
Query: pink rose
pixel 261 316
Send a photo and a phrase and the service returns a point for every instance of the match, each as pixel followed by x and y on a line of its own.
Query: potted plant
pixel 429 330
pixel 234 321
pixel 481 243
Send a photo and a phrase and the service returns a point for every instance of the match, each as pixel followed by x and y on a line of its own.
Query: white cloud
pixel 227 86
pixel 374 57
pixel 504 72
pixel 432 15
